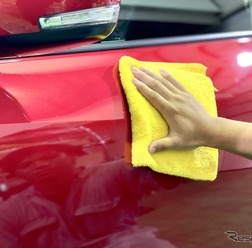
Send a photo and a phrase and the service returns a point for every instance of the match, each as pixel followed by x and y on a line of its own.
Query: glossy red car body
pixel 72 98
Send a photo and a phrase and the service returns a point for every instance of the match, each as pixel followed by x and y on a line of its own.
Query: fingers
pixel 154 81
pixel 158 90
pixel 164 84
pixel 168 96
pixel 163 144
pixel 157 100
pixel 172 80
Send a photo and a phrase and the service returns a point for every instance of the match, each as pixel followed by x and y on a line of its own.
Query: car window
pixel 167 18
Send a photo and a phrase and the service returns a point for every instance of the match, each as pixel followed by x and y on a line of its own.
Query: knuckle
pixel 161 147
pixel 176 143
pixel 153 95
pixel 173 110
pixel 154 84
pixel 180 98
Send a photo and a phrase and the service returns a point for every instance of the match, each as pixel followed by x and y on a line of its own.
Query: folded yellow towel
pixel 147 124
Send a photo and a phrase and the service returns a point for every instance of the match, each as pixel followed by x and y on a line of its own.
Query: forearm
pixel 232 136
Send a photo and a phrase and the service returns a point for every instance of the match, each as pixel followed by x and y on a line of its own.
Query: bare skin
pixel 190 125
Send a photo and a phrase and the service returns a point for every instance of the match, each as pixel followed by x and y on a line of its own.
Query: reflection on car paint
pixel 64 200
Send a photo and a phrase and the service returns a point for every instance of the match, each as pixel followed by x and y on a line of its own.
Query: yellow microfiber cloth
pixel 147 124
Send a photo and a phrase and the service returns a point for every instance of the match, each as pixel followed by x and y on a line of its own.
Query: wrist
pixel 213 132
pixel 223 134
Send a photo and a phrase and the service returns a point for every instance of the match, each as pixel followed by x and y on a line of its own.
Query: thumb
pixel 162 144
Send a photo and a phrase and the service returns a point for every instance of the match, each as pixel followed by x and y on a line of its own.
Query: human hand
pixel 190 126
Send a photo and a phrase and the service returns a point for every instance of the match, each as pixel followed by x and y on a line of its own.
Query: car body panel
pixel 74 99
pixel 47 79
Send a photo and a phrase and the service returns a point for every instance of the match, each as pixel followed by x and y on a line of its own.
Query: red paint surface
pixel 73 99
pixel 81 87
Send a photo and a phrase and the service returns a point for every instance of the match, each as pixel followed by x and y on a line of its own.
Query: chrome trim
pixel 113 45
pixel 86 17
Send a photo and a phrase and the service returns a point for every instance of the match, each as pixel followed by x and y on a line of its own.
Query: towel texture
pixel 147 124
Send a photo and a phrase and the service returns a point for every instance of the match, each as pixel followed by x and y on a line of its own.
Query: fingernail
pixel 163 72
pixel 135 81
pixel 134 69
pixel 152 149
pixel 143 69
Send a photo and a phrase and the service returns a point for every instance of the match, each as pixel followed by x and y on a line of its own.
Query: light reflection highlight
pixel 244 59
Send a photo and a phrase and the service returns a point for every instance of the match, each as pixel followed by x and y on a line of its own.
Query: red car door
pixel 64 127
